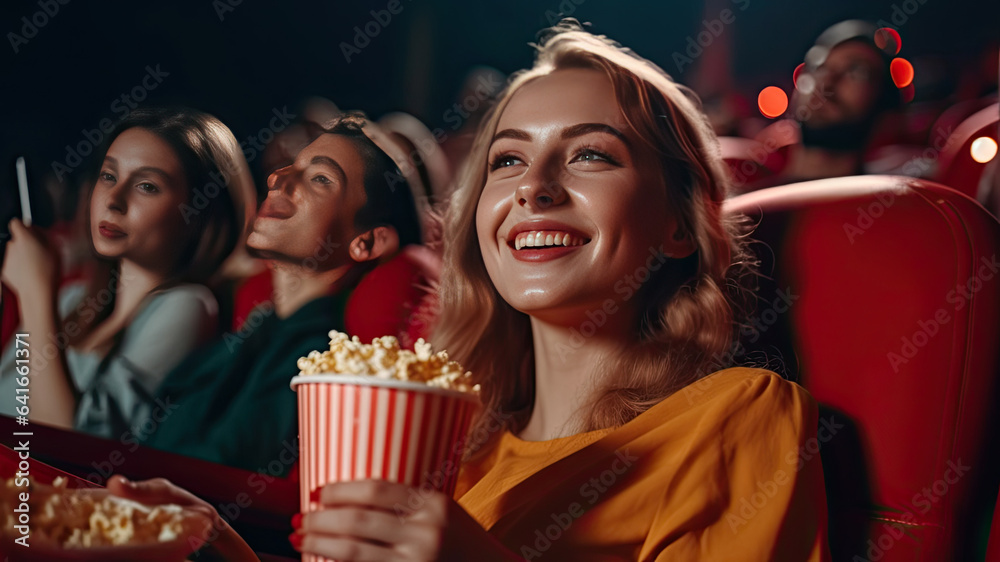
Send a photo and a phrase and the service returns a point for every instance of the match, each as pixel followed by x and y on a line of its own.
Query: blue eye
pixel 107 177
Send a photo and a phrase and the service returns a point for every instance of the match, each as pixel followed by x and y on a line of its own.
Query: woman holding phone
pixel 102 349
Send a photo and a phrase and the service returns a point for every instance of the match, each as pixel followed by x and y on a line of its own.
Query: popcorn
pixel 384 359
pixel 87 518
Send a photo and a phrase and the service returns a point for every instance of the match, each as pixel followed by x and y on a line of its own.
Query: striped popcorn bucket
pixel 356 428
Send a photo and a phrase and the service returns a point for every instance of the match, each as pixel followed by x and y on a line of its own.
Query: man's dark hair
pixel 388 197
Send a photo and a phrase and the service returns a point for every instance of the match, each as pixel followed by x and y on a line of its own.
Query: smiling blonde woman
pixel 591 285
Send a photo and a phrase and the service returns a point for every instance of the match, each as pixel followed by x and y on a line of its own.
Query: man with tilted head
pixel 341 207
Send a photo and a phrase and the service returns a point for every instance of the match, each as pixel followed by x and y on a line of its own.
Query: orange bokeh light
pixel 888 39
pixel 901 71
pixel 772 101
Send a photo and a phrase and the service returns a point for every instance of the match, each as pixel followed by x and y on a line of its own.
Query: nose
pixel 116 198
pixel 540 190
pixel 278 179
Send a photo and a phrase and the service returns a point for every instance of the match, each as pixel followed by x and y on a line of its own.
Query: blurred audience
pixel 479 90
pixel 839 97
pixel 431 163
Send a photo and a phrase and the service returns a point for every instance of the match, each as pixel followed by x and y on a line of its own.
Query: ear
pixel 379 242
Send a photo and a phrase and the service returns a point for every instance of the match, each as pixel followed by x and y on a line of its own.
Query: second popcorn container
pixel 375 411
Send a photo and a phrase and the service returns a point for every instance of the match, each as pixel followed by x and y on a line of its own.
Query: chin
pixel 257 246
pixel 103 251
pixel 537 302
pixel 258 241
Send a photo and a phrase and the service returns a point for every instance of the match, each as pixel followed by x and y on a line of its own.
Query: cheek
pixel 639 212
pixel 490 212
pixel 483 230
pixel 858 98
pixel 94 206
pixel 163 219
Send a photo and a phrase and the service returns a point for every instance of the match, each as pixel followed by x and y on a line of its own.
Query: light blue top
pixel 169 325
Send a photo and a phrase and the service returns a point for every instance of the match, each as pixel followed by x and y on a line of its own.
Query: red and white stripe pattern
pixel 350 431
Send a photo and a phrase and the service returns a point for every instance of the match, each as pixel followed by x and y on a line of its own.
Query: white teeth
pixel 540 239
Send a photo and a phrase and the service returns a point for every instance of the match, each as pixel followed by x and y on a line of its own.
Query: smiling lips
pixel 546 238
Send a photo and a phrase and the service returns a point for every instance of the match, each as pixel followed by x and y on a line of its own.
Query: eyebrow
pixel 516 134
pixel 331 163
pixel 568 133
pixel 587 128
pixel 143 169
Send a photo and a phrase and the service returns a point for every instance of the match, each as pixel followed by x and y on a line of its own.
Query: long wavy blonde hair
pixel 691 309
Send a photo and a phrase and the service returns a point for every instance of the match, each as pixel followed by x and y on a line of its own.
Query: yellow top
pixel 721 470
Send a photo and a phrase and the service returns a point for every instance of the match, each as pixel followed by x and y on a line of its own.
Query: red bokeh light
pixel 888 39
pixel 772 101
pixel 901 71
pixel 797 72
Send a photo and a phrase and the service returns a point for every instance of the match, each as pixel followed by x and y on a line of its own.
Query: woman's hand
pixel 159 491
pixel 30 268
pixel 378 520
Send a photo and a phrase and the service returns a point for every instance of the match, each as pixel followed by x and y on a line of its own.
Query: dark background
pixel 241 62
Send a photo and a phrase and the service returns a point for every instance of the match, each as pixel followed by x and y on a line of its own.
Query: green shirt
pixel 230 403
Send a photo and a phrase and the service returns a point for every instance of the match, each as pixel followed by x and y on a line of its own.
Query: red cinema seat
pixel 952 117
pixel 956 167
pixel 251 293
pixel 11 316
pixel 396 298
pixel 881 295
pixel 750 161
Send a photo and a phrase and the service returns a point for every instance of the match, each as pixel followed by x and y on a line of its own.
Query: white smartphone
pixel 22 187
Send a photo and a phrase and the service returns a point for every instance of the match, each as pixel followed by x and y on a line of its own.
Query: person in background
pixel 838 100
pixel 104 347
pixel 328 219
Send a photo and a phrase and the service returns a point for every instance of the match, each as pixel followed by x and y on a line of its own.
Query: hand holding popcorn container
pixel 378 412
